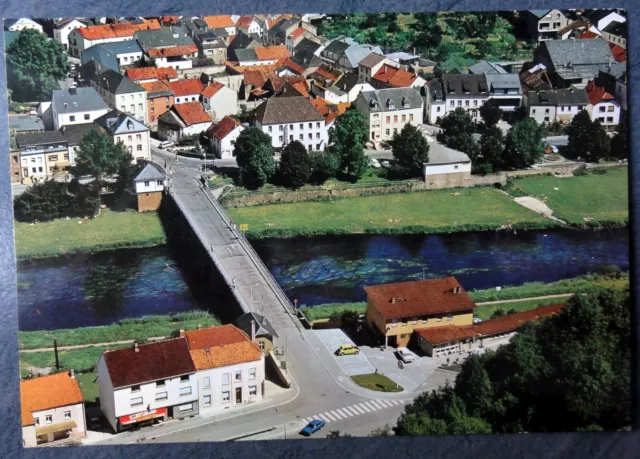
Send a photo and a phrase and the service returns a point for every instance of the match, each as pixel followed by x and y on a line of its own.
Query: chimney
pixel 253 331
pixel 135 347
pixel 393 300
pixel 72 374
pixel 199 327
pixel 181 333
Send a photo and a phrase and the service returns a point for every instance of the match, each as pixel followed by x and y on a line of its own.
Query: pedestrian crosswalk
pixel 358 409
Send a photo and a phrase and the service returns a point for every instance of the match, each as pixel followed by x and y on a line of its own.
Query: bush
pixel 398 173
pixel 51 200
pixel 600 171
pixel 611 271
pixel 498 313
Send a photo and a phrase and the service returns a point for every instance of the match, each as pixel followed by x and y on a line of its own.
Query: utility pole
pixel 55 350
pixel 423 273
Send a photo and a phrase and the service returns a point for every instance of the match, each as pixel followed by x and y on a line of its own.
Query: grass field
pixel 88 386
pixel 111 230
pixel 484 312
pixel 419 212
pixel 376 381
pixel 323 311
pixel 127 329
pixel 603 197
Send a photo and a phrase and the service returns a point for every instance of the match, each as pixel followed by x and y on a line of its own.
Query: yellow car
pixel 347 349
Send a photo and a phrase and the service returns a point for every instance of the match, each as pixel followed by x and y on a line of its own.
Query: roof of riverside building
pixel 46 392
pixel 280 110
pixel 77 100
pixel 221 346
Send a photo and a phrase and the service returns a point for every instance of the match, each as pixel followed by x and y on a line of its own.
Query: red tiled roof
pixel 619 53
pixel 221 346
pixel 159 360
pixel 596 94
pixel 170 19
pixel 212 89
pixel 244 22
pixel 296 33
pixel 192 113
pixel 224 127
pixel 186 87
pixel 254 78
pixel 419 298
pixel 498 326
pixel 147 73
pixel 302 88
pixel 219 21
pixel 326 73
pixel 47 392
pixel 182 50
pixel 397 78
pixel 266 53
pixel 330 111
pixel 291 65
pixel 588 35
pixel 116 30
pixel 155 86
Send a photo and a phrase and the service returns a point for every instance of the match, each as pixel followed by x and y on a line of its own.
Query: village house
pixel 75 106
pixel 388 110
pixel 219 100
pixel 145 382
pixel 122 93
pixel 304 32
pixel 557 105
pixel 600 18
pixel 505 90
pixel 23 124
pixel 161 38
pixel 252 25
pixel 343 90
pixel 223 136
pixel 42 154
pixel 602 105
pixel 210 46
pixel 435 103
pixel 124 129
pixel 545 24
pixel 466 91
pixel 241 41
pixel 186 90
pixel 446 168
pixel 259 329
pixel 63 27
pixel 14 160
pixel 149 186
pixel 52 409
pixel 330 111
pixel 177 57
pixel 18 25
pixel 616 33
pixel 84 37
pixel 114 56
pixel 451 340
pixel 230 368
pixel 261 55
pixel 615 85
pixel 221 22
pixel 183 119
pixel 286 119
pixel 159 99
pixel 278 33
pixel 304 55
pixel 151 74
pixel 395 311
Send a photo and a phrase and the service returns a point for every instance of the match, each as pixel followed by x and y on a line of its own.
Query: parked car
pixel 405 354
pixel 347 349
pixel 165 144
pixel 312 427
pixel 477 320
pixel 375 163
pixel 386 164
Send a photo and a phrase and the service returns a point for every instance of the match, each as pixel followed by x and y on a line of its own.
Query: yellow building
pixel 396 310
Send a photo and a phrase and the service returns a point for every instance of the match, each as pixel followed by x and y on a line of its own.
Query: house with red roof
pixel 142 383
pixel 221 22
pixel 223 136
pixel 219 100
pixel 230 367
pixel 602 105
pixel 150 74
pixel 159 99
pixel 52 409
pixel 85 37
pixel 186 90
pixel 177 57
pixel 249 25
pixel 183 119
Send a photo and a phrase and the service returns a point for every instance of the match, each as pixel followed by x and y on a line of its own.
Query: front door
pixel 238 394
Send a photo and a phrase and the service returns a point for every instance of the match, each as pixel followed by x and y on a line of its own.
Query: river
pixel 101 288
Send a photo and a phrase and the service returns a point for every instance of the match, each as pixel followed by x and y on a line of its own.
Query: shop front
pixel 131 420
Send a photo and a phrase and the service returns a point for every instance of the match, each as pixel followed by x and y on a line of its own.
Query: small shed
pixel 259 329
pixel 447 168
pixel 149 185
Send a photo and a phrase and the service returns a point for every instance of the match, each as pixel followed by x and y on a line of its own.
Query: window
pixel 253 391
pixel 135 388
pixel 87 116
pixel 600 118
pixel 437 109
pixel 609 119
pixel 160 383
pixel 184 378
pixel 261 344
pixel 53 157
pixel 166 99
pixel 301 137
pixel 404 118
pixel 225 379
pixel 238 376
pixel 395 118
pixel 439 319
pixel 466 103
pixel 414 320
pixel 139 106
pixel 317 146
pixel 424 320
pixel 452 103
pixel 546 119
pixel 161 396
pixel 546 111
pixel 138 147
pixel 185 391
pixel 187 407
pixel 73 118
pixel 129 138
pixel 206 382
pixel 318 125
pixel 136 401
pixel 310 135
pixel 482 102
pixel 459 103
pixel 48 418
pixel 280 138
pixel 269 129
pixel 281 128
pixel 310 125
pixel 455 167
pixel 159 182
pixel 225 396
pixel 395 130
pixel 33 160
pixel 394 323
pixel 411 117
pixel 139 96
pixel 39 169
pixel 67 414
pixel 404 322
pixel 387 131
pixel 131 96
pixel 533 111
pixel 36 421
pixel 252 373
pixel 133 107
pixel 610 108
pixel 388 119
pixel 450 317
pixel 290 138
pixel 601 109
pixel 207 400
pixel 33 169
pixel 146 183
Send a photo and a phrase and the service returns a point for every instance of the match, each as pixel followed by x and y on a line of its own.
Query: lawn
pixel 139 329
pixel 484 312
pixel 88 386
pixel 603 197
pixel 110 230
pixel 418 212
pixel 324 311
pixel 376 381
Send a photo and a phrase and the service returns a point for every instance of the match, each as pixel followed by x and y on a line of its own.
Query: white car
pixel 375 163
pixel 405 354
pixel 165 144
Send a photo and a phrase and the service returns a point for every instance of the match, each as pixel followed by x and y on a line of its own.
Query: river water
pixel 101 288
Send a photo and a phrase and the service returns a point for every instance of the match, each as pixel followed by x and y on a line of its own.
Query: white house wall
pixel 61 35
pixel 149 186
pixel 447 168
pixel 607 112
pixel 223 103
pixel 67 119
pixel 105 391
pixel 280 134
pixel 137 143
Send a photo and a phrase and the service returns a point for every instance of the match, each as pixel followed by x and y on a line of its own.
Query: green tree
pixel 411 149
pixel 499 312
pixel 525 145
pixel 338 434
pixel 474 386
pixel 294 168
pixel 587 140
pixel 620 142
pixel 35 64
pixel 144 61
pixel 490 114
pixel 244 115
pixel 347 138
pixel 50 200
pixel 254 155
pixel 512 311
pixel 98 157
pixel 381 432
pixel 457 132
pixel 490 157
pixel 323 165
pixel 468 425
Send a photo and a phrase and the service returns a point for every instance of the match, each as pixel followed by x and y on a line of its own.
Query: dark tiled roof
pixel 40 138
pixel 150 172
pixel 419 298
pixel 116 83
pixel 616 28
pixel 77 100
pixel 464 84
pixel 557 97
pixel 246 55
pixel 379 101
pixel 262 325
pixel 279 110
pixel 74 133
pixel 26 123
pixel 578 52
pixel 159 360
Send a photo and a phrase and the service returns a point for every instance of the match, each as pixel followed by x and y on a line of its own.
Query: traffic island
pixel 377 382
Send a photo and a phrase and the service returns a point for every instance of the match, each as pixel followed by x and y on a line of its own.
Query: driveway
pixel 410 377
pixel 349 364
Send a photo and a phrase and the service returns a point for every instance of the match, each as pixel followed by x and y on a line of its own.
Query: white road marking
pixel 343 412
pixel 357 409
pixel 323 418
pixel 370 405
pixel 395 402
pixel 336 414
pixel 377 404
pixel 351 410
pixel 327 415
pixel 364 407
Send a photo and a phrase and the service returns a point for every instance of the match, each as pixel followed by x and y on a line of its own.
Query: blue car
pixel 312 427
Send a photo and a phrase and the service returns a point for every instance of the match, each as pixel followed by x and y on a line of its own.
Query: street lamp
pixel 284 427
